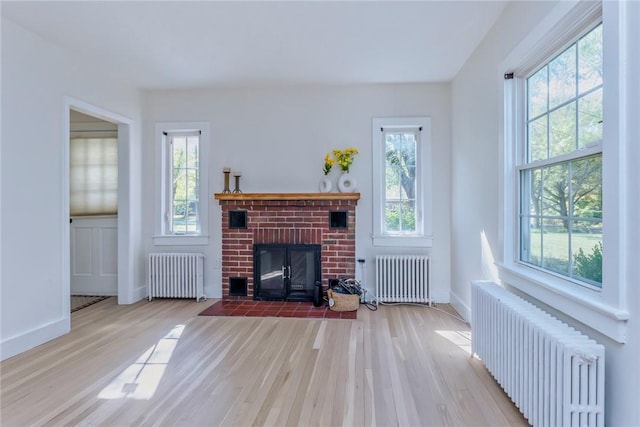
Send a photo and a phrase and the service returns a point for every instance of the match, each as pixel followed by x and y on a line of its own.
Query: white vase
pixel 325 184
pixel 347 183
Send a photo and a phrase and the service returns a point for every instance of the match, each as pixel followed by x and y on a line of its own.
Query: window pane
pixel 531 192
pixel 192 152
pixel 586 248
pixel 555 190
pixel 562 129
pixel 590 60
pixel 586 186
pixel 562 78
pixel 392 187
pixel 566 236
pixel 392 217
pixel 408 181
pixel 408 216
pixel 185 182
pixel 191 184
pixel 531 240
pixel 555 241
pixel 192 211
pixel 590 118
pixel 179 184
pixel 400 184
pixel 400 154
pixel 179 149
pixel 537 92
pixel 179 216
pixel 538 139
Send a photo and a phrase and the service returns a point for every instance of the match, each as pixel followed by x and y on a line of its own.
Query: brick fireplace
pixel 248 219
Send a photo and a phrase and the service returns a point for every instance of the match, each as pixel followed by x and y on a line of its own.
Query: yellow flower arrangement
pixel 328 164
pixel 345 157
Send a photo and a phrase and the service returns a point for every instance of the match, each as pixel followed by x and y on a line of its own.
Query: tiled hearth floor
pixel 275 309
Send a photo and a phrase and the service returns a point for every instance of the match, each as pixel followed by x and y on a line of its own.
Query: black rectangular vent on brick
pixel 338 219
pixel 237 219
pixel 238 286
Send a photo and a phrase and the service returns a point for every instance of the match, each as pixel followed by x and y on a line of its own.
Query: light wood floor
pixel 158 363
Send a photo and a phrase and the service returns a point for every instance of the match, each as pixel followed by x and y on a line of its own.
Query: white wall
pixel 476 167
pixel 36 78
pixel 278 137
pixel 476 162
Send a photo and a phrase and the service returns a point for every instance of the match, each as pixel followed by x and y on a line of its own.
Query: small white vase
pixel 325 184
pixel 347 183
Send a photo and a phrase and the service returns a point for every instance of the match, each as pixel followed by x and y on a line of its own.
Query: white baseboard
pixel 440 296
pixel 463 309
pixel 139 293
pixel 28 340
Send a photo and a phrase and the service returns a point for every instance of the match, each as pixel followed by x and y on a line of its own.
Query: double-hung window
pixel 563 184
pixel 561 171
pixel 183 176
pixel 183 192
pixel 402 184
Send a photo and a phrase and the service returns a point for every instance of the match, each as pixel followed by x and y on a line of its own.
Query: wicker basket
pixel 343 302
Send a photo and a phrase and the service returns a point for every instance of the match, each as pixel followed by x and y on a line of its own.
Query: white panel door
pixel 94 256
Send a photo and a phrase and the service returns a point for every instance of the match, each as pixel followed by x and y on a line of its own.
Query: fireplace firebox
pixel 286 272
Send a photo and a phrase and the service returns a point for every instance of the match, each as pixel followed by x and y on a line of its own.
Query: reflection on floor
pixel 275 309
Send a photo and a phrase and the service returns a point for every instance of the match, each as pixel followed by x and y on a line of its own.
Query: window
pixel 561 176
pixel 183 196
pixel 564 225
pixel 402 181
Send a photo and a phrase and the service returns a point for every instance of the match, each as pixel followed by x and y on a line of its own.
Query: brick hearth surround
pixel 288 218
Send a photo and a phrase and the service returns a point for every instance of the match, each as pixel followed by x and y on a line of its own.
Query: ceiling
pixel 171 44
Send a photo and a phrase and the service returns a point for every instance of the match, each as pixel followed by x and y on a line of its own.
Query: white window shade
pixel 93 177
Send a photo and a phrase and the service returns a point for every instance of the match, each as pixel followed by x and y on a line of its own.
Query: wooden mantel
pixel 287 196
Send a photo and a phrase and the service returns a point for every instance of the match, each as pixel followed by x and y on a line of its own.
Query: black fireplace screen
pixel 285 272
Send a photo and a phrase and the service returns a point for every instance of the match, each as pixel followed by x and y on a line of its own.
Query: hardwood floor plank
pixel 159 363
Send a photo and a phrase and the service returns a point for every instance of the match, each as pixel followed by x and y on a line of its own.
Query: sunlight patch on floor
pixel 460 338
pixel 140 380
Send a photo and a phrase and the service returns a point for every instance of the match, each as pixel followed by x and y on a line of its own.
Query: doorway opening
pixel 101 262
pixel 93 208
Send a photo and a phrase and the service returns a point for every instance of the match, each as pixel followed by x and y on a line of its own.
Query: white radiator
pixel 402 278
pixel 553 373
pixel 176 275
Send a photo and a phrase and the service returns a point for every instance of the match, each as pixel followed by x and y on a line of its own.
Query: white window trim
pixel 424 237
pixel 603 310
pixel 161 237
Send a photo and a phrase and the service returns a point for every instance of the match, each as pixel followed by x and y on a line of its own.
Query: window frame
pixel 423 235
pixel 602 309
pixel 163 234
pixel 526 163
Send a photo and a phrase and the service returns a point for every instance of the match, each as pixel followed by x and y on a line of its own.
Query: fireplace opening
pixel 285 272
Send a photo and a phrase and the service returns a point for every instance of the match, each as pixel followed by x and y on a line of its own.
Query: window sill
pixel 199 240
pixel 403 241
pixel 581 304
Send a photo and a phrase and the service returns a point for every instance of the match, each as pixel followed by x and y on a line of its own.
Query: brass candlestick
pixel 237 175
pixel 226 172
